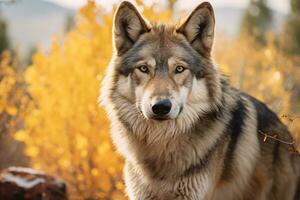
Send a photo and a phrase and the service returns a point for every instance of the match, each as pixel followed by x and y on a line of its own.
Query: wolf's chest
pixel 197 187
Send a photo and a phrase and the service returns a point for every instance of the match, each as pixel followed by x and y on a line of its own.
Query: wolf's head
pixel 165 71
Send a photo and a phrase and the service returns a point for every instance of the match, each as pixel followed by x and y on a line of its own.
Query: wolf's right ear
pixel 128 26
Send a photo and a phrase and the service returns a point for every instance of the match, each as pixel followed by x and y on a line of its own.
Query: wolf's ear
pixel 128 26
pixel 199 27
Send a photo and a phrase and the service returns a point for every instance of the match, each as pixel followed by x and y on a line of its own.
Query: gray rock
pixel 18 183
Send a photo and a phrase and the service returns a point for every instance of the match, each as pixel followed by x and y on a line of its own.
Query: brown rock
pixel 27 184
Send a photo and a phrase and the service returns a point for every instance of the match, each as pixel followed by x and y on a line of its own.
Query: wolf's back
pixel 274 154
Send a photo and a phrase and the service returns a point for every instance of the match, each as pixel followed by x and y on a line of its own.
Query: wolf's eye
pixel 179 69
pixel 143 68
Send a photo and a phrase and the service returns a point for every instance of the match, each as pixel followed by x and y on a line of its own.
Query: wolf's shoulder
pixel 264 114
pixel 268 122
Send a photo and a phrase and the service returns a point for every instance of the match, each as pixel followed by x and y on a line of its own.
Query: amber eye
pixel 143 68
pixel 179 69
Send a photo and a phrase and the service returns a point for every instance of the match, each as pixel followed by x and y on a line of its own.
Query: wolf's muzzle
pixel 162 108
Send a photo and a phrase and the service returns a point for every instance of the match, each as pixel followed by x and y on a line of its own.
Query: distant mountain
pixel 34 22
pixel 228 20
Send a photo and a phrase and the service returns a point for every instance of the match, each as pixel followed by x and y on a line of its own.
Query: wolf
pixel 184 131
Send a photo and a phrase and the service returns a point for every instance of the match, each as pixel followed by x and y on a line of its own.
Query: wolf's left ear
pixel 129 25
pixel 199 28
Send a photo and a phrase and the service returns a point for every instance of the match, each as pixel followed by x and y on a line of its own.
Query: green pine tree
pixel 69 23
pixel 291 34
pixel 257 20
pixel 31 51
pixel 4 40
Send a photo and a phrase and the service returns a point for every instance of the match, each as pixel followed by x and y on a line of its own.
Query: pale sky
pixel 279 5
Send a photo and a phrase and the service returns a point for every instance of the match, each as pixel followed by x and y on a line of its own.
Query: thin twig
pixel 292 148
pixel 290 116
pixel 274 137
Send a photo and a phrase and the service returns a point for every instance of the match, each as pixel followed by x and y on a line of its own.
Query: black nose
pixel 162 107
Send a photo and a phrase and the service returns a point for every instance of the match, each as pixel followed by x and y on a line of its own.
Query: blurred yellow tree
pixel 256 69
pixel 8 86
pixel 13 102
pixel 263 71
pixel 66 133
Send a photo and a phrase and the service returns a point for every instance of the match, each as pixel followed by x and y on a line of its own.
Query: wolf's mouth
pixel 158 118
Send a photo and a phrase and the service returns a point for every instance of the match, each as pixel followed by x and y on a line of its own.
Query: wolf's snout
pixel 162 108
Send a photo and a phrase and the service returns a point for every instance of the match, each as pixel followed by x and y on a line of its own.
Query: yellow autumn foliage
pixel 65 131
pixel 12 96
pixel 7 84
pixel 255 69
pixel 13 101
pixel 264 72
pixel 68 132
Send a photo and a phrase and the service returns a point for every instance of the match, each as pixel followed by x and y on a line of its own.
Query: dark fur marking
pixel 297 194
pixel 265 117
pixel 276 152
pixel 234 128
pixel 200 74
pixel 216 113
pixel 208 118
pixel 204 161
pixel 125 71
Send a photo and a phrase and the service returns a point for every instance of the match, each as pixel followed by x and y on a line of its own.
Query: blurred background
pixel 54 54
